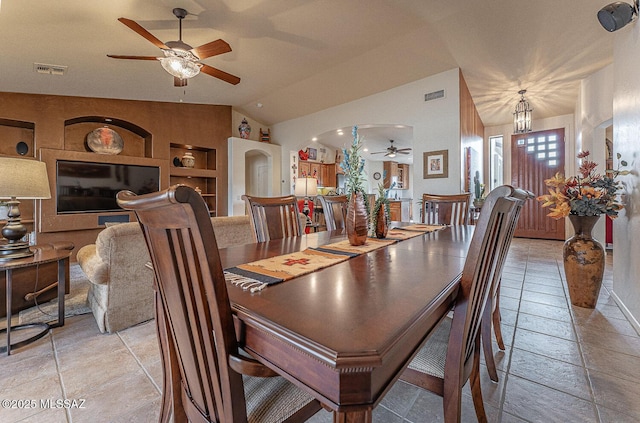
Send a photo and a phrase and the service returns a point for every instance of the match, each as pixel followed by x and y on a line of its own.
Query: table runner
pixel 259 274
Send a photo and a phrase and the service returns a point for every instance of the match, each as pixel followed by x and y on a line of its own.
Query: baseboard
pixel 626 312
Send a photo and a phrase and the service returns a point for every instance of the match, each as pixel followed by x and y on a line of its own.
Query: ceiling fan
pixel 180 59
pixel 392 150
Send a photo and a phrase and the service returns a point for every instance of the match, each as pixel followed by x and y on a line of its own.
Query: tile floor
pixel 562 364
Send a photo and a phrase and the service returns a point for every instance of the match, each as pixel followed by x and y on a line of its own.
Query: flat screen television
pixel 87 187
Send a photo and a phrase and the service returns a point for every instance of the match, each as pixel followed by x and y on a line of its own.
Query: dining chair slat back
pixel 200 352
pixel 491 318
pixel 274 217
pixel 446 209
pixel 451 354
pixel 335 211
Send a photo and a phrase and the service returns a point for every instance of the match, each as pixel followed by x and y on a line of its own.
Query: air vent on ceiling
pixel 434 95
pixel 49 69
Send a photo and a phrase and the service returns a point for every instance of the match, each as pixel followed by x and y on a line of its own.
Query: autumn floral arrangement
pixel 587 194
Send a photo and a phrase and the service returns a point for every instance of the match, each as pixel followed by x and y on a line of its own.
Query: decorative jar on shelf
pixel 245 129
pixel 188 160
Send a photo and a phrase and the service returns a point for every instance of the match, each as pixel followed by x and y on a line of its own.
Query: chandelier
pixel 522 115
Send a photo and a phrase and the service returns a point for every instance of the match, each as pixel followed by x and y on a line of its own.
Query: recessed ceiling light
pixel 259 105
pixel 314 139
pixel 365 149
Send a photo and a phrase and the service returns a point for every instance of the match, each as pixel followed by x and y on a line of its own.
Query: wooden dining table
pixel 344 333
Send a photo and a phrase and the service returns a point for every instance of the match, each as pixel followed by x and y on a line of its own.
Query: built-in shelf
pixel 202 176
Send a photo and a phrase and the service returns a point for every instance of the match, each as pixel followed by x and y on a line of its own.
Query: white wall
pixel 626 134
pixel 236 120
pixel 436 126
pixel 238 149
pixel 594 112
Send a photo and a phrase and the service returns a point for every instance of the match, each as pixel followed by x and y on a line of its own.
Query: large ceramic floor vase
pixel 357 219
pixel 583 262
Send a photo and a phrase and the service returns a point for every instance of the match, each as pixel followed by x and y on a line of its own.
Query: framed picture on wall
pixel 313 154
pixel 436 164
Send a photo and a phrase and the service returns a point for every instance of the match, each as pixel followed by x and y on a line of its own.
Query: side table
pixel 41 256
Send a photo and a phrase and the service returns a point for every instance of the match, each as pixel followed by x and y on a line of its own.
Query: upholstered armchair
pixel 121 289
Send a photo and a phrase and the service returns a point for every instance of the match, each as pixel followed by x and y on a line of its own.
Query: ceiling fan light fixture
pixel 522 115
pixel 178 64
pixel 616 15
pixel 391 155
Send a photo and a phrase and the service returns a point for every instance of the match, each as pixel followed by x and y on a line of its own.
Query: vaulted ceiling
pixel 296 57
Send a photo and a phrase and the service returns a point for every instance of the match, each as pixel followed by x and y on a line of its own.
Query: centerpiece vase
pixel 583 262
pixel 382 224
pixel 356 220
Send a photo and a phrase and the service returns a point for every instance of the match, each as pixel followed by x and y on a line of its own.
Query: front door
pixel 537 156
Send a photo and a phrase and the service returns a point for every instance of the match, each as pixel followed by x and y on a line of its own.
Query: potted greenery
pixel 358 208
pixel 381 214
pixel 478 200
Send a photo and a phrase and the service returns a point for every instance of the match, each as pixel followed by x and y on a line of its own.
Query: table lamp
pixel 304 186
pixel 24 179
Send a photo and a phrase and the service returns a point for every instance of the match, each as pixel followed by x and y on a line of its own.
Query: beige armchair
pixel 121 289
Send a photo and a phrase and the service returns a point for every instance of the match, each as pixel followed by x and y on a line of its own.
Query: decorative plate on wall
pixel 105 141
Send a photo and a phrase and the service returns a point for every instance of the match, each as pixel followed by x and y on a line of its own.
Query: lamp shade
pixel 306 187
pixel 24 179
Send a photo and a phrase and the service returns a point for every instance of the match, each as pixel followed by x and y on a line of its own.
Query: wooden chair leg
pixel 474 380
pixel 497 328
pixel 487 345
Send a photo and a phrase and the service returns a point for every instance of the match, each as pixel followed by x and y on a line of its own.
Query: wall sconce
pixel 522 115
pixel 616 15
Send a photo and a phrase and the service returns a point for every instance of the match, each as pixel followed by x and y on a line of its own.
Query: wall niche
pixel 137 140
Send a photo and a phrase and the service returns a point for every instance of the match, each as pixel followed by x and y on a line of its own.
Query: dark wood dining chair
pixel 491 317
pixel 450 209
pixel 451 355
pixel 274 217
pixel 335 211
pixel 207 379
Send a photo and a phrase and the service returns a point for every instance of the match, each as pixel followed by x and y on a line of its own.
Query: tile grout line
pixel 67 411
pixel 144 369
pixel 579 343
pixel 515 328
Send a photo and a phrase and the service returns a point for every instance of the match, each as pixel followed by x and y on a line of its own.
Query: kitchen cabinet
pixel 396 172
pixel 324 173
pixel 400 210
pixel 328 175
pixel 390 174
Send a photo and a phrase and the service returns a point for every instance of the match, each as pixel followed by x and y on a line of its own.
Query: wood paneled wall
pixel 471 126
pixel 190 124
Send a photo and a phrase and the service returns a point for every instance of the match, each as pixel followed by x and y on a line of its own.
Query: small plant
pixel 353 166
pixel 383 200
pixel 479 187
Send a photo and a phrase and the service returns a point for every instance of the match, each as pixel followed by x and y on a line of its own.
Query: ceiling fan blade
pixel 143 32
pixel 211 49
pixel 403 149
pixel 179 82
pixel 118 56
pixel 402 152
pixel 217 73
pixel 379 152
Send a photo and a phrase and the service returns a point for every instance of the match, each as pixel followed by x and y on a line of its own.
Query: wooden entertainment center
pixel 54 128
